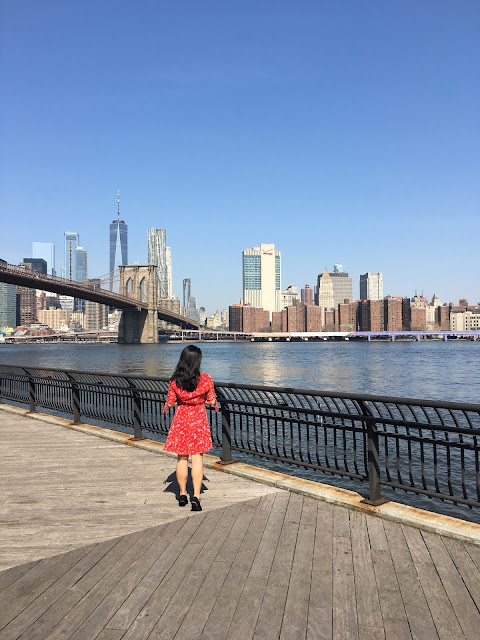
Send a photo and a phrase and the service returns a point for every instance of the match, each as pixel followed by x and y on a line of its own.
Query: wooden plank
pixel 173 541
pixel 198 613
pixel 269 619
pixel 102 588
pixel 181 600
pixel 100 616
pixel 443 615
pixel 368 605
pixel 30 615
pixel 376 534
pixel 30 593
pixel 345 626
pixel 465 609
pixel 295 616
pixel 221 616
pixel 186 554
pixel 9 576
pixel 411 593
pixel 114 551
pixel 110 634
pixel 319 623
pixel 341 522
pixel 416 545
pixel 474 552
pixel 463 561
pixel 371 633
pixel 246 621
pixel 282 562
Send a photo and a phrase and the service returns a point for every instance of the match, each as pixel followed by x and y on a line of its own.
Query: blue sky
pixel 343 131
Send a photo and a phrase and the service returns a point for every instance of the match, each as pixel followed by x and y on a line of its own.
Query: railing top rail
pixel 438 404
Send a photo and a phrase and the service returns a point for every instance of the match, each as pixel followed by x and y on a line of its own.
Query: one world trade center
pixel 118 247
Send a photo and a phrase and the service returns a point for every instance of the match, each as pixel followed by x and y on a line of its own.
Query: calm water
pixel 430 370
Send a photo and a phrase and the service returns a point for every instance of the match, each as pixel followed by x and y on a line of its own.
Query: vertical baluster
pixel 137 411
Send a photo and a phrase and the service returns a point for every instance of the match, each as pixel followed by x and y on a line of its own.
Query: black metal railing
pixel 424 447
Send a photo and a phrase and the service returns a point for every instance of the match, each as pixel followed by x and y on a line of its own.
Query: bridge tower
pixel 139 326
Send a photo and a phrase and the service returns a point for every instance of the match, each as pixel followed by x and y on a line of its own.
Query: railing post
pixel 75 399
pixel 76 402
pixel 137 414
pixel 373 460
pixel 226 433
pixel 31 392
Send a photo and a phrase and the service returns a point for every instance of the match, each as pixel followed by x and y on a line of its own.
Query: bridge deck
pixel 98 548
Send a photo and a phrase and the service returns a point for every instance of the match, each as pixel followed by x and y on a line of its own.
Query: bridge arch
pixel 144 289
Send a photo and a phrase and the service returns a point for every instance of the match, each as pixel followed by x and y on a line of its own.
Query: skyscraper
pixel 169 271
pixel 80 264
pixel 262 277
pixel 371 286
pixel 187 291
pixel 118 244
pixel 157 255
pixel 8 305
pixel 342 286
pixel 326 295
pixel 80 274
pixel 45 250
pixel 71 244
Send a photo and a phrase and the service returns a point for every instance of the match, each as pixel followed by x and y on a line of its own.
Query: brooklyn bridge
pixel 137 299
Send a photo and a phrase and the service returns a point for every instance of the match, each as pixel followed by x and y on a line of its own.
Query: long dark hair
pixel 187 371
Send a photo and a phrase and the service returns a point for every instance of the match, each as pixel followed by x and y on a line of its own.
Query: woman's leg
pixel 182 474
pixel 197 473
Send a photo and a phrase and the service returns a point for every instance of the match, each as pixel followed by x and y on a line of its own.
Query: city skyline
pixel 342 133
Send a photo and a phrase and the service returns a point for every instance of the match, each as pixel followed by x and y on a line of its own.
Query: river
pixel 427 369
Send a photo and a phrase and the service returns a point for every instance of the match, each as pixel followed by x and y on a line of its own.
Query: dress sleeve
pixel 211 397
pixel 171 397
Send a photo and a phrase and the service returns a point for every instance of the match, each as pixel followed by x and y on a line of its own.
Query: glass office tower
pixel 45 250
pixel 118 246
pixel 262 277
pixel 71 244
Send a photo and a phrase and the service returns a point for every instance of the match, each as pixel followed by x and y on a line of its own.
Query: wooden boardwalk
pixel 274 565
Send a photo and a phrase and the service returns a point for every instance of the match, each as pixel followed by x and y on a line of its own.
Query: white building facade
pixel 157 255
pixel 464 321
pixel 262 278
pixel 371 286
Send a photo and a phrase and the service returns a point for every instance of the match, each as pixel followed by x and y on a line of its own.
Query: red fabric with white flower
pixel 190 431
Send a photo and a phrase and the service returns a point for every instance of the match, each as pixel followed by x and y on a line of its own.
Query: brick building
pixel 347 316
pixel 392 314
pixel 418 319
pixel 248 319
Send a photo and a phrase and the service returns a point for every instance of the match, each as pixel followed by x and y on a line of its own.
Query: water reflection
pixel 438 370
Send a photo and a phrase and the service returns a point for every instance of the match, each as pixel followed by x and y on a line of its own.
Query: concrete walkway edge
pixel 403 514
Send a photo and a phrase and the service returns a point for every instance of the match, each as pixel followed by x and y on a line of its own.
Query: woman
pixel 189 433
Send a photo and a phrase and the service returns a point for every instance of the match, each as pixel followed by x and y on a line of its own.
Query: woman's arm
pixel 171 400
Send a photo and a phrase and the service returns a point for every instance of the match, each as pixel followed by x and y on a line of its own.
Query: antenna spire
pixel 118 204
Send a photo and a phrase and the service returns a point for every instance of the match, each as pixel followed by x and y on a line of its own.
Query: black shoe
pixel 182 501
pixel 196 506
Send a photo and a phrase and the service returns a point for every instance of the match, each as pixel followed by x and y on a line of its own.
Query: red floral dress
pixel 190 431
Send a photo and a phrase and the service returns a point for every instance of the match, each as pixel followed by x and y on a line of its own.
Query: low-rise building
pixel 464 321
pixel 54 318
